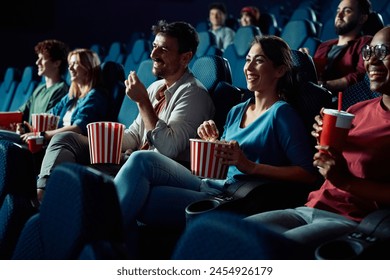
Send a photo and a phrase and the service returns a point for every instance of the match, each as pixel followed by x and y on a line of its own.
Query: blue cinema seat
pixel 140 51
pixel 113 77
pixel 207 46
pixel 25 88
pixel 79 218
pixel 8 87
pixel 116 52
pixel 17 191
pixel 129 109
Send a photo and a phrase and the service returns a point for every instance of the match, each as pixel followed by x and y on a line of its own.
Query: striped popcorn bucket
pixel 44 122
pixel 105 142
pixel 203 161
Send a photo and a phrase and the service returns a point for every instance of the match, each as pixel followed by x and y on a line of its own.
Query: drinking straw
pixel 340 101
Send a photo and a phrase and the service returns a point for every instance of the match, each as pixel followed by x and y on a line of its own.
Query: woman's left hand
pixel 232 154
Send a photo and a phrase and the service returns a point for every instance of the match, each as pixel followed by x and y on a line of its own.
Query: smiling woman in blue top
pixel 267 141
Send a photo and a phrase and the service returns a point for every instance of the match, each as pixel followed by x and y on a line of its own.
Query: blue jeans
pixel 155 189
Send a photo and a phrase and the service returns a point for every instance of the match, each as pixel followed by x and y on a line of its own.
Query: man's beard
pixel 346 28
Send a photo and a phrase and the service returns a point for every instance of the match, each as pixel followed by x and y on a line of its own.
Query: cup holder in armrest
pixel 339 250
pixel 200 207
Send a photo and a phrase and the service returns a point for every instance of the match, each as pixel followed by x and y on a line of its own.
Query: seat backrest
pixel 268 24
pixel 306 12
pixel 8 87
pixel 207 46
pixel 308 97
pixel 215 74
pixel 210 70
pixel 144 72
pixel 303 66
pixel 25 88
pixel 296 32
pixel 225 96
pixel 80 210
pixel 373 24
pixel 113 78
pixel 236 52
pixel 16 193
pixel 99 50
pixel 129 43
pixel 116 52
pixel 357 92
pixel 140 51
pixel 328 32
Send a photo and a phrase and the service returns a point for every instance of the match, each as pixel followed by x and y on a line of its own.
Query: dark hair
pixel 185 33
pixel 279 52
pixel 218 6
pixel 56 50
pixel 364 6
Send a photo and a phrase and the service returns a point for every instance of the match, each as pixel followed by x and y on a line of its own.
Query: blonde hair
pixel 90 61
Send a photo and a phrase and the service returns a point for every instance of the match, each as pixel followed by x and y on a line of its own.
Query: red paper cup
pixel 105 142
pixel 203 161
pixel 335 127
pixel 8 118
pixel 35 143
pixel 44 122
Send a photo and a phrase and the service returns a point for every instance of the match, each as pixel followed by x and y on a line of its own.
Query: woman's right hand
pixel 208 131
pixel 318 126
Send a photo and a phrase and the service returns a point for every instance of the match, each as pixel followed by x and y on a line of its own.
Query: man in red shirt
pixel 338 61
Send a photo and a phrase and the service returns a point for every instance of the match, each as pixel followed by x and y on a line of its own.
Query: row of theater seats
pixel 84 230
pixel 80 216
pixel 16 87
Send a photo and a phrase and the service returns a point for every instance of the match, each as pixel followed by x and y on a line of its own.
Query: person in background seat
pixel 224 35
pixel 338 61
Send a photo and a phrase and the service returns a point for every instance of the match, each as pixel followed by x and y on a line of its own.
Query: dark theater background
pixel 82 23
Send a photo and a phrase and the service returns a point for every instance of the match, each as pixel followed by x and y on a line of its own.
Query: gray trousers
pixel 69 147
pixel 306 225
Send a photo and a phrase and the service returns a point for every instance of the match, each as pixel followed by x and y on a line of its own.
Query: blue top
pixel 278 137
pixel 93 107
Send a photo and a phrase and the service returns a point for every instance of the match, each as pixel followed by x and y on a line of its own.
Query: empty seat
pixel 140 51
pixel 207 46
pixel 129 109
pixel 116 52
pixel 297 32
pixel 99 50
pixel 210 70
pixel 145 73
pixel 25 88
pixel 306 12
pixel 268 24
pixel 113 77
pixel 215 74
pixel 79 218
pixel 8 87
pixel 328 32
pixel 131 40
pixel 373 24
